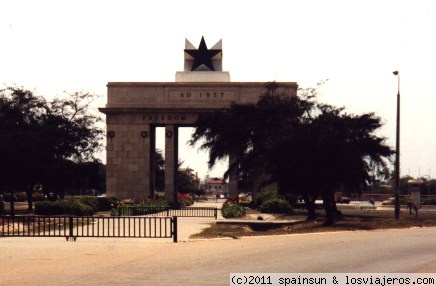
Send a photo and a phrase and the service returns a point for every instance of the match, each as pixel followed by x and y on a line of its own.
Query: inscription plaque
pixel 201 95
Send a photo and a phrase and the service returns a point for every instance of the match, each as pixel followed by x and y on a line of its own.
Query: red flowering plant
pixel 185 199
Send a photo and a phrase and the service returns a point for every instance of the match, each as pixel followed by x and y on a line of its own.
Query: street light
pixel 397 153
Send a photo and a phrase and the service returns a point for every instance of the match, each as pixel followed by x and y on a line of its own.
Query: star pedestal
pixel 203 64
pixel 203 76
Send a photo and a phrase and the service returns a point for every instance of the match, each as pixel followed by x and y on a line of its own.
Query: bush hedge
pixel 232 209
pixel 272 202
pixel 276 205
pixel 262 197
pixel 81 209
pixel 154 203
pixel 61 207
pixel 90 201
pixel 144 208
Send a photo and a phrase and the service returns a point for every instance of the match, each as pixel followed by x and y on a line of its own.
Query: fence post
pixel 216 213
pixel 174 219
pixel 70 225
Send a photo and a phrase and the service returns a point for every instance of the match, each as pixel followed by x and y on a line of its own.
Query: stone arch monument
pixel 135 109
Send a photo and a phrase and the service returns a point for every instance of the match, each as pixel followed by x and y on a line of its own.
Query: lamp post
pixel 397 153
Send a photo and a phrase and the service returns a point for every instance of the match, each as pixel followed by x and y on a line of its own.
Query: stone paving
pixel 192 225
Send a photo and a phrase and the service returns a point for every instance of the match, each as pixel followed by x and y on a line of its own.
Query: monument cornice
pixel 188 95
pixel 114 110
pixel 199 84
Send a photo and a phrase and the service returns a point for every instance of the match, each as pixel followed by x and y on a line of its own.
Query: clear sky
pixel 56 46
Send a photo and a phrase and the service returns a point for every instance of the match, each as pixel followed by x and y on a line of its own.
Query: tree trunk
pixel 335 210
pixel 310 206
pixel 11 201
pixel 329 213
pixel 29 200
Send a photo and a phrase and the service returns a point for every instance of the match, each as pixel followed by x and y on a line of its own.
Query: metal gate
pixel 72 227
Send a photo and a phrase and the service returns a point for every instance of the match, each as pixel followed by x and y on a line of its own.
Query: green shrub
pixel 50 208
pixel 231 209
pixel 79 209
pixel 90 201
pixel 160 204
pixel 131 209
pixel 63 207
pixel 262 197
pixel 186 203
pixel 154 203
pixel 276 205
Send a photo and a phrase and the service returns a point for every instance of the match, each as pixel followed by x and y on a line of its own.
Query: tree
pixel 303 146
pixel 334 151
pixel 160 171
pixel 21 118
pixel 41 140
pixel 79 137
pixel 186 182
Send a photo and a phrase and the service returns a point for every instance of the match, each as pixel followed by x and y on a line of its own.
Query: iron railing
pixel 166 211
pixel 72 227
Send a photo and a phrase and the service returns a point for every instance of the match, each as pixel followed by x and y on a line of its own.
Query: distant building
pixel 217 186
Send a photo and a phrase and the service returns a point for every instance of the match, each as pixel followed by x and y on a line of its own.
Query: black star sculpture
pixel 202 56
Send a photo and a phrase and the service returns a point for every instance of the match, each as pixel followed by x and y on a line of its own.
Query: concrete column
pixel 145 149
pixel 233 179
pixel 171 162
pixel 111 154
pixel 128 161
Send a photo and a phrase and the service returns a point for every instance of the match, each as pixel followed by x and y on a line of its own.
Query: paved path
pixel 189 226
pixel 105 261
pixel 136 261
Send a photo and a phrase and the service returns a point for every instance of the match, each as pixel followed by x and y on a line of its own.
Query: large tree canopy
pixel 305 147
pixel 40 140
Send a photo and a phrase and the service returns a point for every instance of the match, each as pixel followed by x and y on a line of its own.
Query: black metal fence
pixel 166 211
pixel 72 227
